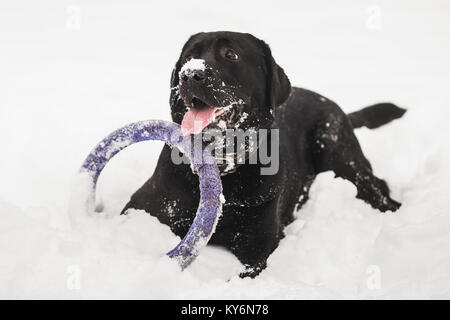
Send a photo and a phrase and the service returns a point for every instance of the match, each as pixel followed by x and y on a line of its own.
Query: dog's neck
pixel 231 164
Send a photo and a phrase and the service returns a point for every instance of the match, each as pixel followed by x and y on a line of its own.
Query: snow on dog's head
pixel 193 64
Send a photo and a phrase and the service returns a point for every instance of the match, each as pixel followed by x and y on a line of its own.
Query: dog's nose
pixel 197 75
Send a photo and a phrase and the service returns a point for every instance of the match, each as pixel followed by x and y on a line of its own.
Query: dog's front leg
pixel 253 234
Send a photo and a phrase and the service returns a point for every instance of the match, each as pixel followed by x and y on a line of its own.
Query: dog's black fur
pixel 315 136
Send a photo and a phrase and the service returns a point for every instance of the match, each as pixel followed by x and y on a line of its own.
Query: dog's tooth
pixel 222 124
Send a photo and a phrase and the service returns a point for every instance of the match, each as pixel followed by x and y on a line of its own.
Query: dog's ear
pixel 278 84
pixel 176 103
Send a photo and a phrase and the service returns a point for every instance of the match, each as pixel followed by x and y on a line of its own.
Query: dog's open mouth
pixel 200 115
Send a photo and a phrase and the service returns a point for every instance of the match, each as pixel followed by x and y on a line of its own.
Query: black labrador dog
pixel 237 84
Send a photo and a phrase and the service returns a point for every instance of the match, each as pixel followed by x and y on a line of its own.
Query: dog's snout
pixel 199 75
pixel 196 75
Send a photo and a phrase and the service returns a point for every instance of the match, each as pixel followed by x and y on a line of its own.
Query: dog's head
pixel 226 80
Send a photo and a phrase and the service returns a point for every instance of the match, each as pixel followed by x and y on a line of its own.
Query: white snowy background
pixel 73 71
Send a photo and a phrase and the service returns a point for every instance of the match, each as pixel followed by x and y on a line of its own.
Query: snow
pixel 69 80
pixel 193 64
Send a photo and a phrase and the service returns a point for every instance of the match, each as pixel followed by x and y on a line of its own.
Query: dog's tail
pixel 375 116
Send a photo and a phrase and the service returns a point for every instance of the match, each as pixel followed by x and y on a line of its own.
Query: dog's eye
pixel 189 57
pixel 231 55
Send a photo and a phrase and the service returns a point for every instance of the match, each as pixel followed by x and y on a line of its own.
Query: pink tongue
pixel 195 120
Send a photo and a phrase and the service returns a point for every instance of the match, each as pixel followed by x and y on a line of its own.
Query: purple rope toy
pixel 211 199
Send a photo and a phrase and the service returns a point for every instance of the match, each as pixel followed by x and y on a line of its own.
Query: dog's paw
pixel 251 271
pixel 388 204
pixel 249 274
